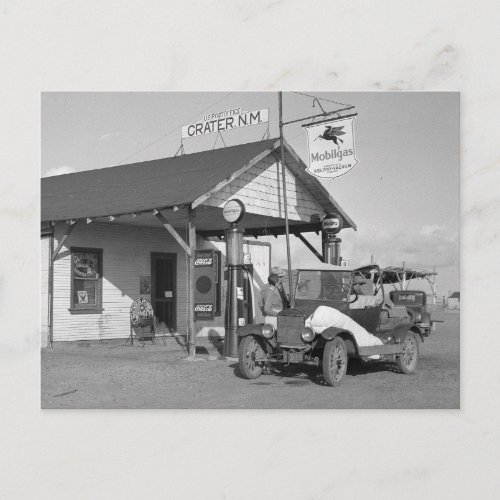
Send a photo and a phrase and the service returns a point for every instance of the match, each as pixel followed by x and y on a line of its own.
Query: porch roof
pixel 164 183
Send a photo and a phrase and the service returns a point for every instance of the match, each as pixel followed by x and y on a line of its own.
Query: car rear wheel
pixel 408 359
pixel 248 351
pixel 335 361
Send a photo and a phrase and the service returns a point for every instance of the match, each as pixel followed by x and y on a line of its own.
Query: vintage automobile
pixel 415 302
pixel 263 346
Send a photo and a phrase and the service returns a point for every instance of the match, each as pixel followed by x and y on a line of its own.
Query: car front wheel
pixel 249 351
pixel 408 359
pixel 335 361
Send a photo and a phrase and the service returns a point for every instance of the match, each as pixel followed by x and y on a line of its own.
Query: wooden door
pixel 164 292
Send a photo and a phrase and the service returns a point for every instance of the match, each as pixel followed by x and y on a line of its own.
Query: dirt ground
pixel 112 375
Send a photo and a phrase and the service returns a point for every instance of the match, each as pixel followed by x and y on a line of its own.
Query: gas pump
pixel 331 225
pixel 233 212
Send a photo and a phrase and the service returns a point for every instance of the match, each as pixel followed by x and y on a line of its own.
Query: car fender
pixel 246 330
pixel 401 329
pixel 332 332
pixel 256 330
pixel 351 344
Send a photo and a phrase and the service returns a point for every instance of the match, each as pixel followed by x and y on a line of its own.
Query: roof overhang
pixel 208 219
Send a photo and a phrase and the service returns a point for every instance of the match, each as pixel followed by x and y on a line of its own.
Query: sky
pixel 403 194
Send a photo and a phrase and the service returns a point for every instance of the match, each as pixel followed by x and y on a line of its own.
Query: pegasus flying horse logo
pixel 332 134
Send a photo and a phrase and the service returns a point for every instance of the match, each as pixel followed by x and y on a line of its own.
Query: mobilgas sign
pixel 225 120
pixel 331 147
pixel 332 223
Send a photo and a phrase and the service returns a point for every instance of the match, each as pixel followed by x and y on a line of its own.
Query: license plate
pixel 293 357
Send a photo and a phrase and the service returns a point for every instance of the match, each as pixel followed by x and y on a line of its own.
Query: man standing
pixel 271 299
pixel 263 294
pixel 279 286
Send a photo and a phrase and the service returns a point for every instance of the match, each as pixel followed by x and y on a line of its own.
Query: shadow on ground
pixel 303 374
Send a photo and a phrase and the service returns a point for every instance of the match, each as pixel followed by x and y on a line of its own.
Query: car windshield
pixel 322 285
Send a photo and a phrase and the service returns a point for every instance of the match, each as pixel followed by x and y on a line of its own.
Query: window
pixel 86 279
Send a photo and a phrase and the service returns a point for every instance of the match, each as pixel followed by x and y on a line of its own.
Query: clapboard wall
pixel 126 257
pixel 44 289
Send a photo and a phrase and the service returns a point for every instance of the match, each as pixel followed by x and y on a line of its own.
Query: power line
pixel 173 130
pixel 322 98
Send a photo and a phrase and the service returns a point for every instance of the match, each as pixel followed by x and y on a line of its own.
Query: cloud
pixel 428 247
pixel 424 247
pixel 59 171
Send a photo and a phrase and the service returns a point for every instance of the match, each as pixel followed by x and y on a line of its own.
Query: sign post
pixel 325 160
pixel 283 173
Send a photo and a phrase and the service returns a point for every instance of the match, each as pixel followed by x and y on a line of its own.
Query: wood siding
pixel 44 289
pixel 260 189
pixel 126 257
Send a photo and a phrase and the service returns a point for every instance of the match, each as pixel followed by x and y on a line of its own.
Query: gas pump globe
pixel 331 225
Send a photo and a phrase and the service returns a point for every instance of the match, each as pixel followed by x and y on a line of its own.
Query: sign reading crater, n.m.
pixel 225 120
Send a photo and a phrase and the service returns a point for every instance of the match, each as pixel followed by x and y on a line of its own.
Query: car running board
pixel 380 349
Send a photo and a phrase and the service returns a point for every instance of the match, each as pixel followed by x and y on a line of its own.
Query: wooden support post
pixel 64 237
pixel 172 231
pixel 190 271
pixel 308 245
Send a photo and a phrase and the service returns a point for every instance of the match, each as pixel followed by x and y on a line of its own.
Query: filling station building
pixel 114 235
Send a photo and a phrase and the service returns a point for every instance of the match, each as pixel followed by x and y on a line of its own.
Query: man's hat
pixel 359 280
pixel 277 270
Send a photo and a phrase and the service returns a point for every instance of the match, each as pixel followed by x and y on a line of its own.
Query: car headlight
pixel 308 335
pixel 268 330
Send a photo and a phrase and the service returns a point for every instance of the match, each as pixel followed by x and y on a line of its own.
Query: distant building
pixel 454 301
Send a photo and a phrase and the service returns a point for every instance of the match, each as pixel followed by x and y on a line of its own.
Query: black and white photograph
pixel 250 250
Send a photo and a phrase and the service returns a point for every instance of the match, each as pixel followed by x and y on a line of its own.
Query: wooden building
pixel 112 235
pixel 454 301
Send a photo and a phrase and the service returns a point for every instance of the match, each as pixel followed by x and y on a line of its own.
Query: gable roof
pixel 164 182
pixel 454 295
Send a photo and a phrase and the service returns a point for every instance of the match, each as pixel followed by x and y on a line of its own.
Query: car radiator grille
pixel 290 329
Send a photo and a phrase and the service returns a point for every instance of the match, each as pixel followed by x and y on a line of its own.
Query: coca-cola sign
pixel 203 312
pixel 204 258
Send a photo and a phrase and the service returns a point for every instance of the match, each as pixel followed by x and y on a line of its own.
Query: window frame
pixel 87 308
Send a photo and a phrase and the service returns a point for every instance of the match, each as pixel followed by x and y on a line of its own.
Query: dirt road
pixel 156 376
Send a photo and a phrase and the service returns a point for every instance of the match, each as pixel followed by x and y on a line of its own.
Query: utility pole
pixel 283 174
